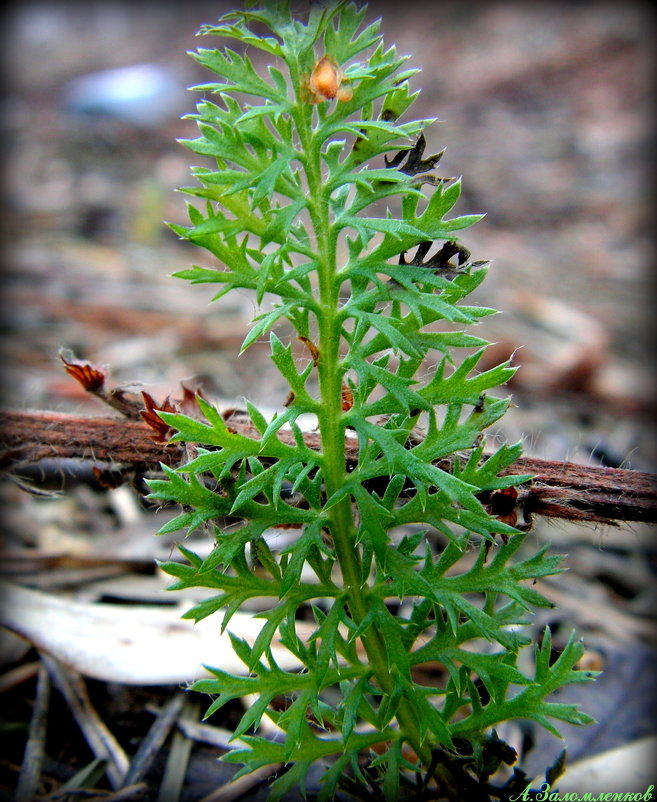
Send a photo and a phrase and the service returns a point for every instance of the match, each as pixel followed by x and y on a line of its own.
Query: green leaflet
pixel 299 553
pixel 319 202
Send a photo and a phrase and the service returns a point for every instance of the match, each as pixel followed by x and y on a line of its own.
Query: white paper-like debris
pixel 628 769
pixel 131 644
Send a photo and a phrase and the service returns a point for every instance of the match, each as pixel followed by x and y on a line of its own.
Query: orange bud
pixel 344 94
pixel 325 79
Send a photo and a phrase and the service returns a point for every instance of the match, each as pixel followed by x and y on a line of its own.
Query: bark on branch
pixel 558 490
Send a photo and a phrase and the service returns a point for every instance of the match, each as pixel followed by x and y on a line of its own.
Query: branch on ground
pixel 558 490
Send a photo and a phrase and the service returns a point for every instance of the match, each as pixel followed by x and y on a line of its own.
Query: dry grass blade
pixel 591 607
pixel 80 784
pixel 178 759
pixel 237 788
pixel 207 733
pixel 15 676
pixel 35 747
pixel 101 741
pixel 153 741
pixel 129 792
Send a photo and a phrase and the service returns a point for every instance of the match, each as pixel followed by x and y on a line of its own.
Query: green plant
pixel 293 211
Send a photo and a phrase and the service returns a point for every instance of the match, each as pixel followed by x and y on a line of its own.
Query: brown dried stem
pixel 558 490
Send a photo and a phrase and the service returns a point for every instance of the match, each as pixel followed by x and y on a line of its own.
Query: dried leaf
pixel 150 415
pixel 347 397
pixel 90 377
pixel 440 261
pixel 132 644
pixel 310 345
pixel 415 164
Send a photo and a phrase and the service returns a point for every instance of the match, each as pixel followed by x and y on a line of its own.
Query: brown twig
pixel 558 490
pixel 30 437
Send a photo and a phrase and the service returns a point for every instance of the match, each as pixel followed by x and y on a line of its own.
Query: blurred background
pixel 547 111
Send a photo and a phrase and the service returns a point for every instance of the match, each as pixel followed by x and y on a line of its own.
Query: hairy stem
pixel 332 429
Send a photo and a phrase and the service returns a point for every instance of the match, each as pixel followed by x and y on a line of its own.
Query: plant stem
pixel 332 432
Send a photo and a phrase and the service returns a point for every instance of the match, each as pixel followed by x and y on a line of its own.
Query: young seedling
pixel 324 205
